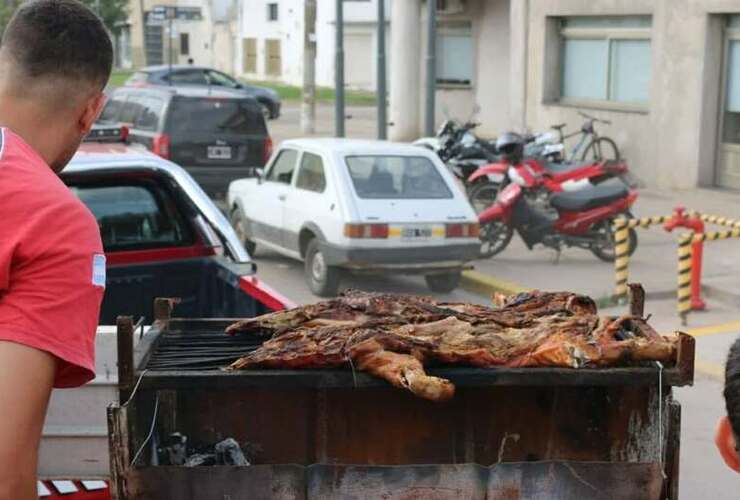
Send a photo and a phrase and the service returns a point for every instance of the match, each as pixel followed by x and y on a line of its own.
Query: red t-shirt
pixel 52 266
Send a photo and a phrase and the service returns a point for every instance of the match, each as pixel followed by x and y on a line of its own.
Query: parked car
pixel 180 76
pixel 216 135
pixel 163 237
pixel 358 206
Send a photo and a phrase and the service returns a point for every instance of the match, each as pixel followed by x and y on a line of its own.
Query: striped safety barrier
pixel 716 219
pixel 684 275
pixel 621 229
pixel 689 251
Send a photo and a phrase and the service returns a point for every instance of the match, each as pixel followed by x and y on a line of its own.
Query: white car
pixel 358 206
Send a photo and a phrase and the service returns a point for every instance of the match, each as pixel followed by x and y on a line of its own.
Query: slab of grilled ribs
pixel 394 336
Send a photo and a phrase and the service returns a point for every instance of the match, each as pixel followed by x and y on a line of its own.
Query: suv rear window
pixel 396 177
pixel 134 217
pixel 210 113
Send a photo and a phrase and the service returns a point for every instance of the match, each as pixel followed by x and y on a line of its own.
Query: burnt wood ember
pixel 395 336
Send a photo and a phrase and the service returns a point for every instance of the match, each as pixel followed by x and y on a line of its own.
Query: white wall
pixel 200 35
pixel 671 145
pixel 288 29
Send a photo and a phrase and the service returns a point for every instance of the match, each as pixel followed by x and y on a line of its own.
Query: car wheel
pixel 239 224
pixel 322 279
pixel 265 111
pixel 443 283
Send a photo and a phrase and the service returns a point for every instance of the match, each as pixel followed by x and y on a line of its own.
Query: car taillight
pixel 267 152
pixel 161 145
pixel 462 230
pixel 379 231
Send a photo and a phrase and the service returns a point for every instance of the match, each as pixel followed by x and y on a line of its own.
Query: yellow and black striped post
pixel 621 257
pixel 684 275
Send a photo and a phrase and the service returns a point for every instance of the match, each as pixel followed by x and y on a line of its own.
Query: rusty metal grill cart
pixel 331 434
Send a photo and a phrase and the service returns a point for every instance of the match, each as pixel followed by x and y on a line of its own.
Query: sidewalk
pixel 653 264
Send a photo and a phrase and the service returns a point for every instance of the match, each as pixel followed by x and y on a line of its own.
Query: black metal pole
pixel 339 69
pixel 431 67
pixel 381 75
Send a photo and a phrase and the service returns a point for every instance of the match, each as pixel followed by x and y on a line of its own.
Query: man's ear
pixel 725 441
pixel 92 111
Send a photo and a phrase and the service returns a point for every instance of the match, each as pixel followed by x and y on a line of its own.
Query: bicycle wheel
pixel 601 149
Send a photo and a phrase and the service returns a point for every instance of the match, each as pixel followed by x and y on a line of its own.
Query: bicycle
pixel 597 149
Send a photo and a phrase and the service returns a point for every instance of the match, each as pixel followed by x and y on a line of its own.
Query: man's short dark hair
pixel 732 387
pixel 59 38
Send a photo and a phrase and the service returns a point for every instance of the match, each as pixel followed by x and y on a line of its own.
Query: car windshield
pixel 396 177
pixel 210 114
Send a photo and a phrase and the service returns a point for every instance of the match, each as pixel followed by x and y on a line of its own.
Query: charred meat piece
pixel 395 337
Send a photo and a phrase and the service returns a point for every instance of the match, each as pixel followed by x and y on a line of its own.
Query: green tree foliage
pixel 113 12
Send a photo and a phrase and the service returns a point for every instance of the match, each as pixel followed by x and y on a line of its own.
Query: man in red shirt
pixel 55 60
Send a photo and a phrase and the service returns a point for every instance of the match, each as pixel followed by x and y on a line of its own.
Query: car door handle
pixel 282 197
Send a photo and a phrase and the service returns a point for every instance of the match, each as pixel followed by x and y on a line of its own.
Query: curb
pixel 475 282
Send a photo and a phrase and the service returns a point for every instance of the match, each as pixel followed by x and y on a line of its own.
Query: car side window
pixel 188 77
pixel 283 168
pixel 311 175
pixel 134 217
pixel 112 109
pixel 216 78
pixel 150 114
pixel 131 109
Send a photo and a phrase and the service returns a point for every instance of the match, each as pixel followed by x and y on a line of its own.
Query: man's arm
pixel 26 380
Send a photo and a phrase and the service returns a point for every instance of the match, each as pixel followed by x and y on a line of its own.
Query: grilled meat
pixel 393 337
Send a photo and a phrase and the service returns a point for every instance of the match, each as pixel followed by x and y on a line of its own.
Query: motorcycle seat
pixel 561 168
pixel 586 199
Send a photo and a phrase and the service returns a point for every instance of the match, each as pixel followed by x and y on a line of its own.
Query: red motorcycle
pixel 556 177
pixel 581 218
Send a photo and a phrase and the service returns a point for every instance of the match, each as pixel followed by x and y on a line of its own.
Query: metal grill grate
pixel 200 350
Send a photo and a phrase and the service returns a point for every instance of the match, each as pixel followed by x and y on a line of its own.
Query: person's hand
pixel 724 438
pixel 26 380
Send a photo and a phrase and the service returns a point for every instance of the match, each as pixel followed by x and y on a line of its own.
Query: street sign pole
pixel 339 70
pixel 381 87
pixel 308 109
pixel 169 55
pixel 431 66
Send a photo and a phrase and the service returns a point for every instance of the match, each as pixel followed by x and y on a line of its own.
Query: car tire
pixel 239 223
pixel 322 279
pixel 443 283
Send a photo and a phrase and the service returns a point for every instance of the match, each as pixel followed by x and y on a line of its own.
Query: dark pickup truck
pixel 163 237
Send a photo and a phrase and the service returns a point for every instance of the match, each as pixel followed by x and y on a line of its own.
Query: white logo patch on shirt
pixel 98 270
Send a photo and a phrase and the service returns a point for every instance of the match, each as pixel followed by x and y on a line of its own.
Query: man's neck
pixel 30 124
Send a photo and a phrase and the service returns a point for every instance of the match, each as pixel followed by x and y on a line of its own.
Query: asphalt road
pixel 286 275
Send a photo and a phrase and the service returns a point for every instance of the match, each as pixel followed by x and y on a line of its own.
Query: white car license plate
pixel 416 233
pixel 219 152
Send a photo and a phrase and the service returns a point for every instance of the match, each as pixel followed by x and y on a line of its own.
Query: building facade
pixel 666 73
pixel 203 31
pixel 272 38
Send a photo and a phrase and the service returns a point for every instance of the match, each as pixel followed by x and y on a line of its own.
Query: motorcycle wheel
pixel 495 237
pixel 482 195
pixel 603 247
